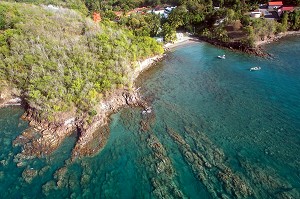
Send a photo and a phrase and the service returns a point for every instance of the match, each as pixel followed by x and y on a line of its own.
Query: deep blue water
pixel 216 130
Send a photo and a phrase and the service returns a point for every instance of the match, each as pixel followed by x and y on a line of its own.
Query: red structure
pixel 287 8
pixel 96 17
pixel 275 3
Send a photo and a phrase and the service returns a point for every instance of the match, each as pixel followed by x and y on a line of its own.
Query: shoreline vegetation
pixel 258 47
pixel 256 50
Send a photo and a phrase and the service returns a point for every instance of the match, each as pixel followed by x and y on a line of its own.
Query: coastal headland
pixel 73 74
pixel 43 137
pixel 69 73
pixel 201 133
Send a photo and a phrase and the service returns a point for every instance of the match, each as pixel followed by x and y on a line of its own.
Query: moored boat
pixel 221 57
pixel 255 68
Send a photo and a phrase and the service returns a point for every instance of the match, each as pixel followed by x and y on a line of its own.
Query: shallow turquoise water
pixel 217 130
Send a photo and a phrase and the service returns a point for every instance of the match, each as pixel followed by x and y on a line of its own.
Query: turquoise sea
pixel 216 130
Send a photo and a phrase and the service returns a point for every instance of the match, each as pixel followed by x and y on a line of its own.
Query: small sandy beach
pixel 144 64
pixel 184 40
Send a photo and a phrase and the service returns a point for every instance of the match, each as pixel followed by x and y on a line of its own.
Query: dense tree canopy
pixel 142 25
pixel 294 19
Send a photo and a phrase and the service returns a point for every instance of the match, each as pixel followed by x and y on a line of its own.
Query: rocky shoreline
pixel 8 96
pixel 237 46
pixel 43 137
pixel 10 102
pixel 88 143
pixel 257 50
pixel 276 38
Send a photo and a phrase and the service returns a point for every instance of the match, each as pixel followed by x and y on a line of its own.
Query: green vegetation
pixel 264 28
pixel 228 23
pixel 62 61
pixel 292 2
pixel 142 25
pixel 294 20
pixel 125 5
pixel 71 4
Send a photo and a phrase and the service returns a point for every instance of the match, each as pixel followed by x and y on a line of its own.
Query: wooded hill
pixel 61 61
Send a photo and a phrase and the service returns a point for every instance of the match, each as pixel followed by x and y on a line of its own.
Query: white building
pixel 255 14
pixel 163 12
pixel 159 39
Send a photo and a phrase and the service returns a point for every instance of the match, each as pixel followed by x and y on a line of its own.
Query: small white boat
pixel 221 57
pixel 255 68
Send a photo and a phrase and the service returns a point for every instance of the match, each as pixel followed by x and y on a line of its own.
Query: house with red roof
pixel 96 17
pixel 287 8
pixel 283 9
pixel 272 10
pixel 273 5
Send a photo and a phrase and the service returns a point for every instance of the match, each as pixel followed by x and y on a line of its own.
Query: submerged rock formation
pixel 44 137
pixel 208 165
pixel 93 137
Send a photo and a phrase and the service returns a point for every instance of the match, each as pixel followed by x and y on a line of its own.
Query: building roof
pixel 287 8
pixel 275 3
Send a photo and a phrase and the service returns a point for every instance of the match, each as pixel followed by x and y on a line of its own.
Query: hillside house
pixel 283 9
pixel 286 9
pixel 272 10
pixel 159 39
pixel 256 14
pixel 274 5
pixel 268 11
pixel 162 12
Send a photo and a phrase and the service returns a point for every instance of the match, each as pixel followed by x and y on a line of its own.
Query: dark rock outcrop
pixel 238 46
pixel 43 137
